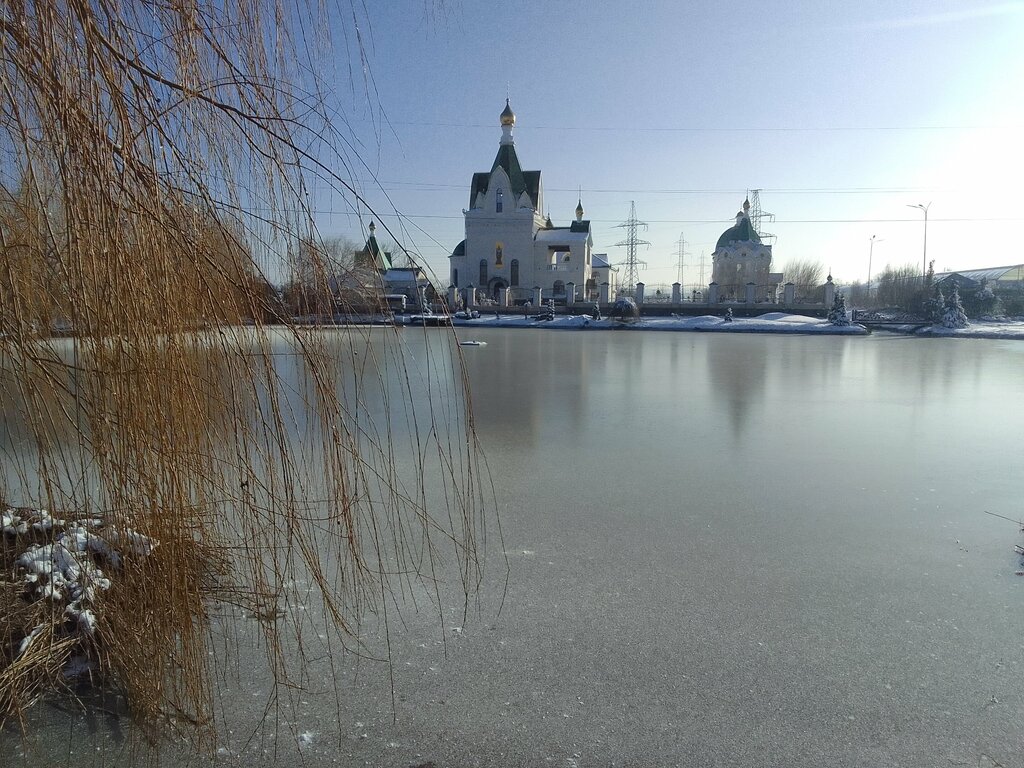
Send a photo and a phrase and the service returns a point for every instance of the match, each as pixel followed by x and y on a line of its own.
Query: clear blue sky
pixel 843 114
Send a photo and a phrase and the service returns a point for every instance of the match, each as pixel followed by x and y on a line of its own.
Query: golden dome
pixel 508 117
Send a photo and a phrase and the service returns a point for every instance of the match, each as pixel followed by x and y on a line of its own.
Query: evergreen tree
pixel 934 307
pixel 955 317
pixel 728 315
pixel 838 314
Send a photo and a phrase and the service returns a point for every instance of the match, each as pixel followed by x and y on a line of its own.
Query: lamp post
pixel 871 253
pixel 924 261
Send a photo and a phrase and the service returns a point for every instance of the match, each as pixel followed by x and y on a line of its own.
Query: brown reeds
pixel 154 156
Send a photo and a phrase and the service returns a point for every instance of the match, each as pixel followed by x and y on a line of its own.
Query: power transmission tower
pixel 632 276
pixel 757 216
pixel 681 253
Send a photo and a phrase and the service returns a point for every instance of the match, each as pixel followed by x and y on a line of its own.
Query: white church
pixel 512 249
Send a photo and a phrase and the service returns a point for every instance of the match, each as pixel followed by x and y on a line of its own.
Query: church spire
pixel 579 209
pixel 508 121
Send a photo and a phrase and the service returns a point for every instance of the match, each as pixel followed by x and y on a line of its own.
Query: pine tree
pixel 838 314
pixel 955 317
pixel 934 307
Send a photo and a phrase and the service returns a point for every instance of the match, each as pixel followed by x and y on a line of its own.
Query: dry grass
pixel 153 156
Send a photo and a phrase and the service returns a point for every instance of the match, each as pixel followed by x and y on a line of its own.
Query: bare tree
pixel 899 287
pixel 807 276
pixel 150 149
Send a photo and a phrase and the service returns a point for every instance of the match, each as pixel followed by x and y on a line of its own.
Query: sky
pixel 843 115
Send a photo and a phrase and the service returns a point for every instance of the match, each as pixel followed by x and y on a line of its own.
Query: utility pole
pixel 871 253
pixel 757 216
pixel 681 252
pixel 632 276
pixel 924 261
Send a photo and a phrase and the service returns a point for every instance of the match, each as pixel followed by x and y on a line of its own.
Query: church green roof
pixel 373 256
pixel 742 232
pixel 521 181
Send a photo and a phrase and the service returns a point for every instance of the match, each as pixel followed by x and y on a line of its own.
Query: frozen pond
pixel 727 550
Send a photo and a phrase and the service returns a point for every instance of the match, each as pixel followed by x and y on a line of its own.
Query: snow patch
pixel 66 570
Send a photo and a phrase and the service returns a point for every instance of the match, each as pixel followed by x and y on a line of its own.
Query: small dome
pixel 508 117
pixel 746 204
pixel 579 209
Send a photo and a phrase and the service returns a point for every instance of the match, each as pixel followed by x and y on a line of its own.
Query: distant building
pixel 511 244
pixel 999 279
pixel 740 258
pixel 410 282
pixel 601 272
pixel 361 284
pixel 371 256
pixel 373 276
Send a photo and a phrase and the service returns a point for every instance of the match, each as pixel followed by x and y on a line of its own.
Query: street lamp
pixel 924 262
pixel 871 253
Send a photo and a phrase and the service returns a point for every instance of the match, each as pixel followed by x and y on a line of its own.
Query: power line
pixel 720 129
pixel 430 186
pixel 950 220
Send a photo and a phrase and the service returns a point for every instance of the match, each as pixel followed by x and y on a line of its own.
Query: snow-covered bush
pixel 954 317
pixel 64 568
pixel 983 301
pixel 624 308
pixel 728 315
pixel 838 314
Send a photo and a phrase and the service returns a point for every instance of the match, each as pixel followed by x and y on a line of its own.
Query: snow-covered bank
pixel 990 329
pixel 772 322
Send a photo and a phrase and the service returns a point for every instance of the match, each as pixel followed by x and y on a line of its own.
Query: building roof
pixel 521 181
pixel 576 226
pixel 600 261
pixel 742 232
pixel 398 274
pixel 558 236
pixel 990 273
pixel 460 249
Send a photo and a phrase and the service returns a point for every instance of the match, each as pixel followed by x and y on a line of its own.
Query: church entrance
pixel 495 286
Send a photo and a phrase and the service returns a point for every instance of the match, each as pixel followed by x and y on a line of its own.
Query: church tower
pixel 741 258
pixel 509 243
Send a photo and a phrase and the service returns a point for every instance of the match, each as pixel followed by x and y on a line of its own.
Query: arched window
pixel 455 278
pixel 483 272
pixel 497 254
pixel 559 288
pixel 497 201
pixel 514 269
